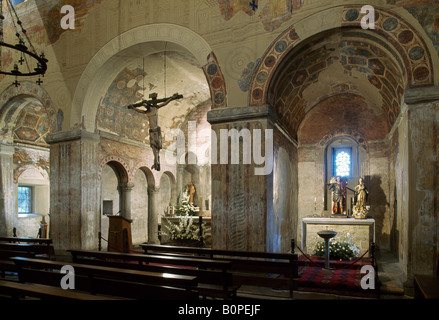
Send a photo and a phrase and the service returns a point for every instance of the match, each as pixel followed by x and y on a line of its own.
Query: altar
pixel 206 221
pixel 362 231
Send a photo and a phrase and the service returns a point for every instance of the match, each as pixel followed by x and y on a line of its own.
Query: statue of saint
pixel 191 192
pixel 150 108
pixel 338 195
pixel 361 194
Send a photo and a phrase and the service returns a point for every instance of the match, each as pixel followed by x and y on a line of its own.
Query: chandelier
pixel 21 54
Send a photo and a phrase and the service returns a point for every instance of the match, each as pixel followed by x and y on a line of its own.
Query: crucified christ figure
pixel 150 108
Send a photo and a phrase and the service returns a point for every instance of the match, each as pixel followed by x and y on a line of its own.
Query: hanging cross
pixel 16 83
pixel 155 135
pixel 21 60
pixel 39 82
pixel 254 5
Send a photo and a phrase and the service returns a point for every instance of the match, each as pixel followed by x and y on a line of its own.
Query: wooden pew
pixel 134 284
pixel 214 280
pixel 248 267
pixel 17 290
pixel 45 241
pixel 8 250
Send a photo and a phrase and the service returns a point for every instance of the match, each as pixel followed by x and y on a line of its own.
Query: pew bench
pixel 249 268
pixel 214 280
pixel 19 291
pixel 45 241
pixel 133 284
pixel 27 250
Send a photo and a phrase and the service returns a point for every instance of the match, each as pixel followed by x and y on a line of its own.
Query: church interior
pixel 277 97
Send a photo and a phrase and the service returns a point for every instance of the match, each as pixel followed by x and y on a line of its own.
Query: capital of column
pixel 222 115
pixel 7 150
pixel 421 95
pixel 127 187
pixel 78 134
pixel 153 190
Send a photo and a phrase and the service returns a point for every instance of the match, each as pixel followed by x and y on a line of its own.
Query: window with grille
pixel 24 199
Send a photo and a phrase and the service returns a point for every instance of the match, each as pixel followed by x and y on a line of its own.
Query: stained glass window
pixel 342 162
pixel 24 199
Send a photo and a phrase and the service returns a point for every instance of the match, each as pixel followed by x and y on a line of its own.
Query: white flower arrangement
pixel 187 209
pixel 341 247
pixel 185 229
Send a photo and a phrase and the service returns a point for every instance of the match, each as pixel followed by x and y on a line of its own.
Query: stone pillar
pixel 180 175
pixel 7 190
pixel 241 200
pixel 422 209
pixel 153 197
pixel 74 189
pixel 254 201
pixel 125 199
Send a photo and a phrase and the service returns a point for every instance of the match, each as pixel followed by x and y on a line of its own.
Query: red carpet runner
pixel 343 278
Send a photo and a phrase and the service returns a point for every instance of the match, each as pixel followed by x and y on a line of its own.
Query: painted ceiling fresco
pixel 32 125
pixel 339 64
pixel 272 13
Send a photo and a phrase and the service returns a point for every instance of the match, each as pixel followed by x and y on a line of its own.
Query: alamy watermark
pixel 68 281
pixel 229 147
pixel 368 281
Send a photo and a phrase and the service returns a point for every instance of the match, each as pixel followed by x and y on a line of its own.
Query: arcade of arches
pixel 303 70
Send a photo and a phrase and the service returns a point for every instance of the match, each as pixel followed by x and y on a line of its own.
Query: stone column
pixel 180 175
pixel 241 200
pixel 254 201
pixel 7 190
pixel 153 197
pixel 421 210
pixel 74 189
pixel 125 199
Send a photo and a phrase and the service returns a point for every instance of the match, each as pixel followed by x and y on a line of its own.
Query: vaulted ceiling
pixel 352 79
pixel 159 72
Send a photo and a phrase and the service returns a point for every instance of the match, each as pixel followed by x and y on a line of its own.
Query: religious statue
pixel 361 194
pixel 191 192
pixel 338 195
pixel 150 108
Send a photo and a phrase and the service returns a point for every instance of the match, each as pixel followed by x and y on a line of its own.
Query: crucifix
pixel 150 108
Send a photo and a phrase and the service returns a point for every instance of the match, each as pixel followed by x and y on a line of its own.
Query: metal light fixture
pixel 26 61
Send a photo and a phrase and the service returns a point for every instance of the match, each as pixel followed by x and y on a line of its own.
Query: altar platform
pixel 362 231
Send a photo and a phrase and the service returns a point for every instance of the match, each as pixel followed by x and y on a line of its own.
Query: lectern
pixel 119 234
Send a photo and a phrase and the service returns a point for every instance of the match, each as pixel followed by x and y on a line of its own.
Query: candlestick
pixel 201 205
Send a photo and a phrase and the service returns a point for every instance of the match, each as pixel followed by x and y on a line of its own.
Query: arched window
pixel 342 159
pixel 342 162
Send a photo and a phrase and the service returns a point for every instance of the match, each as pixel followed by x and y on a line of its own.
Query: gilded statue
pixel 361 194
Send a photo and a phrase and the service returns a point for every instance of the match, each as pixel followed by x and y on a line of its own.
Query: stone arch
pixel 415 55
pixel 150 178
pixel 22 169
pixel 348 133
pixel 12 101
pixel 173 182
pixel 98 73
pixel 119 166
